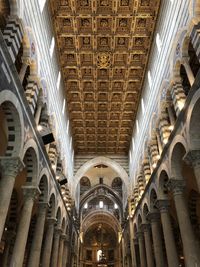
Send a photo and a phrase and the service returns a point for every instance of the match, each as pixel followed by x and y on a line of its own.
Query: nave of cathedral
pixel 99 133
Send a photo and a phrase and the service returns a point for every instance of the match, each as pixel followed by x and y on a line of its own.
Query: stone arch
pixel 14 121
pixel 58 217
pixel 177 151
pixel 176 54
pixel 100 160
pixel 162 184
pixel 63 224
pixel 52 204
pixel 145 211
pixel 153 196
pixel 31 165
pixel 193 122
pixel 43 186
pixel 139 220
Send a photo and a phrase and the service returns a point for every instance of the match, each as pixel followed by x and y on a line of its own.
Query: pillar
pixel 188 69
pixel 34 259
pixel 30 194
pixel 61 250
pixel 26 63
pixel 48 242
pixel 56 241
pixel 65 253
pixel 172 256
pixel 9 239
pixel 148 244
pixel 190 244
pixel 193 158
pixel 171 115
pixel 39 107
pixel 10 167
pixel 143 262
pixel 133 256
pixel 157 239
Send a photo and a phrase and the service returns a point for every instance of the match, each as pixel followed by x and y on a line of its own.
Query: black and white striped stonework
pixel 32 92
pixel 53 153
pixel 178 95
pixel 147 170
pixel 13 130
pixel 195 37
pixel 13 35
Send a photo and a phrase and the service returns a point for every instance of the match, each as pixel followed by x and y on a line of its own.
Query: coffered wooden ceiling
pixel 103 49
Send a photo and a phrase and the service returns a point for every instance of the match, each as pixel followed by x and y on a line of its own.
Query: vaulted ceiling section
pixel 103 47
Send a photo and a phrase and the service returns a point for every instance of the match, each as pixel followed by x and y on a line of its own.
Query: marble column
pixel 55 249
pixel 190 244
pixel 193 158
pixel 30 194
pixel 34 258
pixel 188 70
pixel 154 218
pixel 143 262
pixel 148 244
pixel 25 63
pixel 9 239
pixel 61 250
pixel 40 105
pixel 48 242
pixel 10 167
pixel 65 253
pixel 133 256
pixel 172 256
pixel 171 115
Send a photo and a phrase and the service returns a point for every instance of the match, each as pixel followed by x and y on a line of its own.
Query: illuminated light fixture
pixel 165 141
pixel 154 165
pixel 68 208
pixel 53 166
pixel 181 104
pixel 101 204
pixel 115 206
pixel 171 127
pixel 86 206
pixel 158 156
pixel 39 128
pixel 64 198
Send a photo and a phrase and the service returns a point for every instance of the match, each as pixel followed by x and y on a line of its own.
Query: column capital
pixel 64 237
pixel 176 186
pixel 153 216
pixel 162 205
pixel 31 192
pixel 43 206
pixel 139 235
pixel 11 166
pixel 57 232
pixel 145 227
pixel 51 220
pixel 192 158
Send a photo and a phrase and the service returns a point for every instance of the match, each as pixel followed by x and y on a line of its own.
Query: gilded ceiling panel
pixel 103 48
